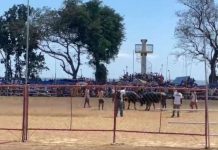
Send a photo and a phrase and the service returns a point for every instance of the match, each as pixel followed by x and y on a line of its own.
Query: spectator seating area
pixel 150 78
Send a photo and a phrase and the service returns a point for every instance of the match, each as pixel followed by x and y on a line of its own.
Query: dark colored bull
pixel 133 97
pixel 150 98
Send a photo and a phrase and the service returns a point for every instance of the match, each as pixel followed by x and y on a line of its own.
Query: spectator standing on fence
pixel 120 100
pixel 177 102
pixel 87 98
pixel 194 101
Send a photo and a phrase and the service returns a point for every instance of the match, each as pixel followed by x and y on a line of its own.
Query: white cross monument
pixel 144 49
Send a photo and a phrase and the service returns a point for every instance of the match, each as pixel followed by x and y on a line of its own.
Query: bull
pixel 149 98
pixel 132 97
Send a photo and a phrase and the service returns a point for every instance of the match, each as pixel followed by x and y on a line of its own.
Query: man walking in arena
pixel 121 101
pixel 194 101
pixel 87 98
pixel 100 99
pixel 177 102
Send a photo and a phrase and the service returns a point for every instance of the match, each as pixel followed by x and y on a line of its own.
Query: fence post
pixel 71 105
pixel 25 113
pixel 115 117
pixel 24 118
pixel 27 110
pixel 207 136
pixel 161 99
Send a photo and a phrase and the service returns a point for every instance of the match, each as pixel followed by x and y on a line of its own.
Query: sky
pixel 154 20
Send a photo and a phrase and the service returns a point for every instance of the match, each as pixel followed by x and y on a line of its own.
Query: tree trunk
pixel 74 75
pixel 101 73
pixel 8 70
pixel 97 64
pixel 18 69
pixel 212 76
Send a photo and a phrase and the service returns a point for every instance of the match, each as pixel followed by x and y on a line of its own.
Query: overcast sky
pixel 154 20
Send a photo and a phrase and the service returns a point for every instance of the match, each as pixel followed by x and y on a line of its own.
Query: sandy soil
pixel 55 112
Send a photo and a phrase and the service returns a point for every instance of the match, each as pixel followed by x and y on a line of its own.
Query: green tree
pixel 105 32
pixel 62 31
pixel 79 28
pixel 197 22
pixel 13 43
pixel 6 49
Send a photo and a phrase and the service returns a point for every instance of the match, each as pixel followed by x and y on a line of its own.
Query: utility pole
pixel 166 68
pixel 26 93
pixel 133 61
pixel 207 128
pixel 55 71
pixel 27 41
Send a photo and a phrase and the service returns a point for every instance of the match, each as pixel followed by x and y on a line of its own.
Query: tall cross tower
pixel 144 49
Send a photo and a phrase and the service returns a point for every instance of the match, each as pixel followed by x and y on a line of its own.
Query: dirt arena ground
pixel 54 113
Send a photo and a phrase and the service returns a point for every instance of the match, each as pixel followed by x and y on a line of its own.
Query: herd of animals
pixel 144 98
pixel 147 98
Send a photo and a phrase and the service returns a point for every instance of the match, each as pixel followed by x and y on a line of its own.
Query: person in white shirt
pixel 177 101
pixel 101 99
pixel 121 101
pixel 194 101
pixel 87 97
pixel 113 94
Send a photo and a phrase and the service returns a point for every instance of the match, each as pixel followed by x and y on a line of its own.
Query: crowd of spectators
pixel 149 78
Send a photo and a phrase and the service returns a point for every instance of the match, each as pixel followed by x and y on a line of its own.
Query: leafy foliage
pixel 13 44
pixel 198 24
pixel 104 36
pixel 62 31
pixel 78 28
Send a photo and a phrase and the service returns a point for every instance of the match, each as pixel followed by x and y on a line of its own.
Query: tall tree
pixel 104 36
pixel 13 43
pixel 82 27
pixel 62 31
pixel 197 24
pixel 5 49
